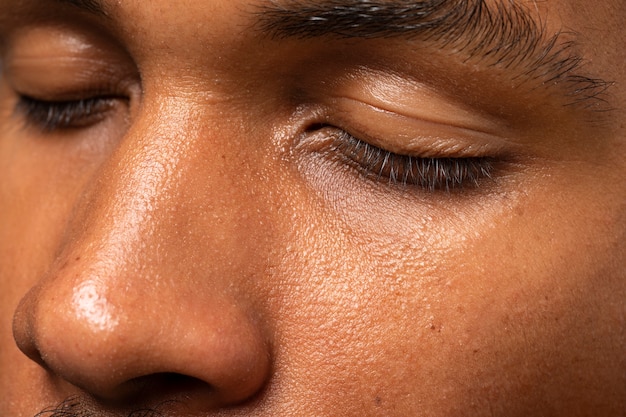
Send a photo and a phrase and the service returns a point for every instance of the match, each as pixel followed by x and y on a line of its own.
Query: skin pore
pixel 312 208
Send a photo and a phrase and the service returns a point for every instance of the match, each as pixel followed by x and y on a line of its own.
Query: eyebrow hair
pixel 503 35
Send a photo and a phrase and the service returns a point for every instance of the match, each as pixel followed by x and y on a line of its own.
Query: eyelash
pixel 57 115
pixel 432 174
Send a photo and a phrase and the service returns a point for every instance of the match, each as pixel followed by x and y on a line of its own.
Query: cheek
pixel 42 178
pixel 363 311
pixel 30 225
pixel 491 302
pixel 540 298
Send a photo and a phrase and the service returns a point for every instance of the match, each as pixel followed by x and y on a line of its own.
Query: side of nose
pixel 148 296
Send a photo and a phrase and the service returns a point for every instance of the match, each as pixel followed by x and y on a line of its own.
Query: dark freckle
pixel 77 258
pixel 432 327
pixel 475 350
pixel 378 400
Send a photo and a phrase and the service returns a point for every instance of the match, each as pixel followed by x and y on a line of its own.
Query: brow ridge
pixel 502 34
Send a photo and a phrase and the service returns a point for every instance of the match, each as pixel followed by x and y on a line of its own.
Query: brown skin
pixel 194 248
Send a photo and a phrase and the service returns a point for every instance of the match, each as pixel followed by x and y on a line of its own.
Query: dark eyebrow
pixel 91 6
pixel 503 34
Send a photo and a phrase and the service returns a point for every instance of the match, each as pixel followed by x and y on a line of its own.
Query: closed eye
pixel 430 173
pixel 50 116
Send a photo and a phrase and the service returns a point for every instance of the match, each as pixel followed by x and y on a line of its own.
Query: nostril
pixel 161 394
pixel 153 389
pixel 154 395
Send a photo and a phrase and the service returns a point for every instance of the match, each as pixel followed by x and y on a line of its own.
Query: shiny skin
pixel 200 251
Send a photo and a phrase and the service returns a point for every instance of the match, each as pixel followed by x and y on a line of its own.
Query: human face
pixel 276 208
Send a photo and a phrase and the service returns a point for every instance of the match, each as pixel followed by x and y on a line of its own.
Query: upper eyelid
pixel 420 93
pixel 433 108
pixel 414 136
pixel 90 59
pixel 89 85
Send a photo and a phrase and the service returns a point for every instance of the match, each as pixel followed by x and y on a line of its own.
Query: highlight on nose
pixel 93 308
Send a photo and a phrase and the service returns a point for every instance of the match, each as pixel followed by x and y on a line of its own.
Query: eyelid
pixel 414 99
pixel 430 174
pixel 63 64
pixel 76 82
pixel 402 134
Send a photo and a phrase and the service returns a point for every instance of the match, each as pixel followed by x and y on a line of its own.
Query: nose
pixel 148 298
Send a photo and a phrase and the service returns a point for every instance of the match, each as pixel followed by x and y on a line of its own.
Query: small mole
pixel 432 327
pixel 77 258
pixel 378 400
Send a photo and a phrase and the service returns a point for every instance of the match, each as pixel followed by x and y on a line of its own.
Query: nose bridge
pixel 157 190
pixel 140 182
pixel 130 284
pixel 117 239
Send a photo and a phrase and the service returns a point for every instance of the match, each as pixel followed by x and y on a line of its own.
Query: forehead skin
pixel 207 249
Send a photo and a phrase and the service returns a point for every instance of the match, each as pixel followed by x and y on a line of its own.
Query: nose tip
pixel 155 344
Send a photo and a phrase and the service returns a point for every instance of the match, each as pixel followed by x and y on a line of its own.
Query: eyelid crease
pixel 418 101
pixel 414 135
pixel 419 145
